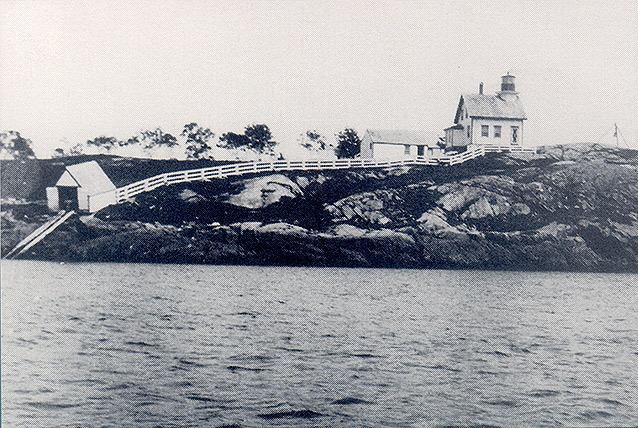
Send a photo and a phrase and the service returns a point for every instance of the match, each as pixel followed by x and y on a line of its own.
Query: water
pixel 209 346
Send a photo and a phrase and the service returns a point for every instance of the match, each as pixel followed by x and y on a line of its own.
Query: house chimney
pixel 481 88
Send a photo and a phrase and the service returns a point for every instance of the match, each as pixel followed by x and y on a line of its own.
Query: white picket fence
pixel 489 148
pixel 240 168
pixel 205 174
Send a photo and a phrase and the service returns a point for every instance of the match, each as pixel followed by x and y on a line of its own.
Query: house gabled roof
pixel 490 106
pixel 89 176
pixel 415 138
pixel 67 180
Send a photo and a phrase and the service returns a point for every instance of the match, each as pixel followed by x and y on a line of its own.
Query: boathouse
pixel 488 120
pixel 82 187
pixel 395 144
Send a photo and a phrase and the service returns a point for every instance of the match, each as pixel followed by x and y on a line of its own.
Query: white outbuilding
pixel 82 187
pixel 397 144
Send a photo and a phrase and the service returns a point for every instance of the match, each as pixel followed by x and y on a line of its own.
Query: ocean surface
pixel 90 345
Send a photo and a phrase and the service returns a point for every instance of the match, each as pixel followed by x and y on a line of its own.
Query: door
pixel 514 134
pixel 68 198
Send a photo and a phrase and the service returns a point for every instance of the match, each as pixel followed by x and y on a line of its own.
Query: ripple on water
pixel 196 397
pixel 140 343
pixel 499 353
pixel 609 401
pixel 247 314
pixel 51 406
pixel 247 369
pixel 542 393
pixel 591 415
pixel 296 414
pixel 468 426
pixel 362 355
pixel 350 400
pixel 444 367
pixel 503 403
pixel 283 348
pixel 120 386
pixel 191 363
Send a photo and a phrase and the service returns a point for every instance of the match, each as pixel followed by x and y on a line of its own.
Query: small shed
pixel 394 144
pixel 82 187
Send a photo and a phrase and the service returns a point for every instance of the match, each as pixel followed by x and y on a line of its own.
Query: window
pixel 485 130
pixel 406 150
pixel 497 131
pixel 514 134
pixel 468 131
pixel 370 146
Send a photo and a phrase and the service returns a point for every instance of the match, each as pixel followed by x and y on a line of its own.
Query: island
pixel 566 208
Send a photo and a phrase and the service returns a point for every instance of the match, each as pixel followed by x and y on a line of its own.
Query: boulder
pixel 346 231
pixel 432 222
pixel 283 229
pixel 366 208
pixel 247 226
pixel 261 192
pixel 390 235
pixel 187 195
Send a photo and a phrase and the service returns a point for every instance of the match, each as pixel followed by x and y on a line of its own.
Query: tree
pixel 312 141
pixel 15 145
pixel 197 139
pixel 349 144
pixel 260 138
pixel 230 140
pixel 155 138
pixel 76 150
pixel 256 137
pixel 102 142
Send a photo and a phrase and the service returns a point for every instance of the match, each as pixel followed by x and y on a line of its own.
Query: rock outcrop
pixel 260 192
pixel 566 208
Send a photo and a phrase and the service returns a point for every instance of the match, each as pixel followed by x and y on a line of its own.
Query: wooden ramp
pixel 39 234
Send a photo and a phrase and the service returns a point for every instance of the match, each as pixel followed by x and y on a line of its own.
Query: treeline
pixel 197 142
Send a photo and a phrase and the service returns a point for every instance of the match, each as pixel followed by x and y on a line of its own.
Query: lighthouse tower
pixel 508 88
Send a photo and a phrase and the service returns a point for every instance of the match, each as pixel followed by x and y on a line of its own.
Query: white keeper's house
pixel 395 144
pixel 489 120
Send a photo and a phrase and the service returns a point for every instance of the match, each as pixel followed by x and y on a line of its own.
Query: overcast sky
pixel 74 70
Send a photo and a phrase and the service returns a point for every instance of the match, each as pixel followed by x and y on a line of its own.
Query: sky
pixel 73 70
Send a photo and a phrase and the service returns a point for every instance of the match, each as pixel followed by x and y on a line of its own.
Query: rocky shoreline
pixel 571 208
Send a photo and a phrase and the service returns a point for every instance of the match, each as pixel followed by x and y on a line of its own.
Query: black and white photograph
pixel 293 213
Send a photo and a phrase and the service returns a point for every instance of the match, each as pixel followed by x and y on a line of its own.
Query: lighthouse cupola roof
pixel 507 83
pixel 508 88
